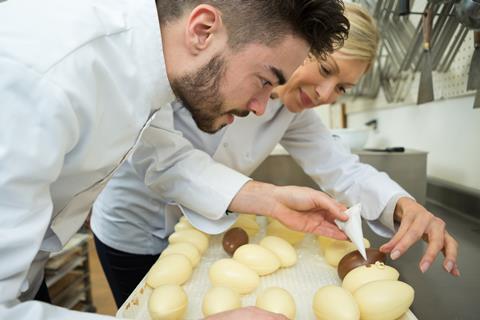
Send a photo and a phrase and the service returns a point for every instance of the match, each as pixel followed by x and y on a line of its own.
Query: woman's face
pixel 321 82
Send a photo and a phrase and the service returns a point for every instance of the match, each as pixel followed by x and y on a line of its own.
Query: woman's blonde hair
pixel 363 37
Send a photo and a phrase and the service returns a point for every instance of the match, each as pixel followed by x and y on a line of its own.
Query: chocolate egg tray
pixel 302 281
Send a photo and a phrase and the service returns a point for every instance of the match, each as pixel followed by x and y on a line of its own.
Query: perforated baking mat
pixel 302 281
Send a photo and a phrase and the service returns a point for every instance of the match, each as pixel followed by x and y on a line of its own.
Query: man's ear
pixel 203 26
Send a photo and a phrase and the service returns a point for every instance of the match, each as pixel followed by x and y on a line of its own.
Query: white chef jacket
pixel 130 217
pixel 79 81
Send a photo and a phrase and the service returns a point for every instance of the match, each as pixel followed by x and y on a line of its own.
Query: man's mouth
pixel 239 113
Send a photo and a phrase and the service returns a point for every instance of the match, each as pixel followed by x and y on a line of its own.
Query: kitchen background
pixel 440 167
pixel 448 128
pixel 441 164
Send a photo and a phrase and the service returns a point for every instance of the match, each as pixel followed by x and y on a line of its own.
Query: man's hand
pixel 246 313
pixel 299 208
pixel 417 223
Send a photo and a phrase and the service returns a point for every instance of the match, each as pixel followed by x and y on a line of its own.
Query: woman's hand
pixel 299 208
pixel 417 223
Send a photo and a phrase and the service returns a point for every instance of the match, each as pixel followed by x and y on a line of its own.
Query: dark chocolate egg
pixel 354 259
pixel 233 239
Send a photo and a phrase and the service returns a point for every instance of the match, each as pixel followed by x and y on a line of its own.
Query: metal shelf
pixel 64 270
pixel 67 275
pixel 74 284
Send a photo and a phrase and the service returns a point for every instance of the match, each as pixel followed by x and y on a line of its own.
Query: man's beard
pixel 199 92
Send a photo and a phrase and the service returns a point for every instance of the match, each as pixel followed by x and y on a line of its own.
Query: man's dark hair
pixel 319 22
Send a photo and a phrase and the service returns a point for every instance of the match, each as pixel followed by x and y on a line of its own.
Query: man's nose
pixel 258 104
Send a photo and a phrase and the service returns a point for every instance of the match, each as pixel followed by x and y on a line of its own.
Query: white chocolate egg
pixel 257 258
pixel 183 225
pixel 384 299
pixel 167 302
pixel 284 251
pixel 338 249
pixel 195 237
pixel 276 228
pixel 277 300
pixel 219 299
pixel 234 275
pixel 335 303
pixel 170 269
pixel 185 248
pixel 324 242
pixel 361 275
pixel 249 216
pixel 248 224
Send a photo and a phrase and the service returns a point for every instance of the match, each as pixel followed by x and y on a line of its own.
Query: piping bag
pixel 353 228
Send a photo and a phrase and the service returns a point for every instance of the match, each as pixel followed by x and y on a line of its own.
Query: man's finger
pixel 324 202
pixel 331 233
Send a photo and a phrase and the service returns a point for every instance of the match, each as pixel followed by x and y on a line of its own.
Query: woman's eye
pixel 265 83
pixel 342 90
pixel 324 71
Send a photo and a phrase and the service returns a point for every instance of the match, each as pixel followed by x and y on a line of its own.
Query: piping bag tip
pixel 353 228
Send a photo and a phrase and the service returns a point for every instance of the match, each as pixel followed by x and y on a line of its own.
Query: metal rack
pixel 401 51
pixel 67 275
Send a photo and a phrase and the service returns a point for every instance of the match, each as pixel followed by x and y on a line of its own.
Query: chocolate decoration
pixel 354 259
pixel 233 239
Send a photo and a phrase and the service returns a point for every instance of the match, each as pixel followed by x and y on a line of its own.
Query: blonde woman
pixel 132 222
pixel 321 80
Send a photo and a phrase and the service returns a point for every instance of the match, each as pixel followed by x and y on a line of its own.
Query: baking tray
pixel 302 281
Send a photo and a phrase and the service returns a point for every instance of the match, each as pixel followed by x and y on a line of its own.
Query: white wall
pixel 449 130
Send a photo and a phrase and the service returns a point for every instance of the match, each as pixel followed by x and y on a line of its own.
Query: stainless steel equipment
pixel 468 13
pixel 425 90
pixel 408 168
pixel 473 82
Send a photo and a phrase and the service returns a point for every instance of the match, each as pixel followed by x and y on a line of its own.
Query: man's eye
pixel 265 83
pixel 342 90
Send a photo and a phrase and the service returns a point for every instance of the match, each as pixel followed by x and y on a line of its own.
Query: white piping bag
pixel 353 228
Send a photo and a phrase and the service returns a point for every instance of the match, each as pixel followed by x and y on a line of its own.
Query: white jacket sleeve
pixel 340 174
pixel 37 129
pixel 172 167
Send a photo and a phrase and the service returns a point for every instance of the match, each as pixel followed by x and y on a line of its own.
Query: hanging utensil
pixel 476 102
pixel 468 13
pixel 459 37
pixel 474 73
pixel 425 92
pixel 403 7
pixel 439 34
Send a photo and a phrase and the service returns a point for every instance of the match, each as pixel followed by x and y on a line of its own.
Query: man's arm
pixel 174 169
pixel 35 133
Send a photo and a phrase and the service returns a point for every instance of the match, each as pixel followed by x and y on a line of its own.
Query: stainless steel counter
pixel 408 169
